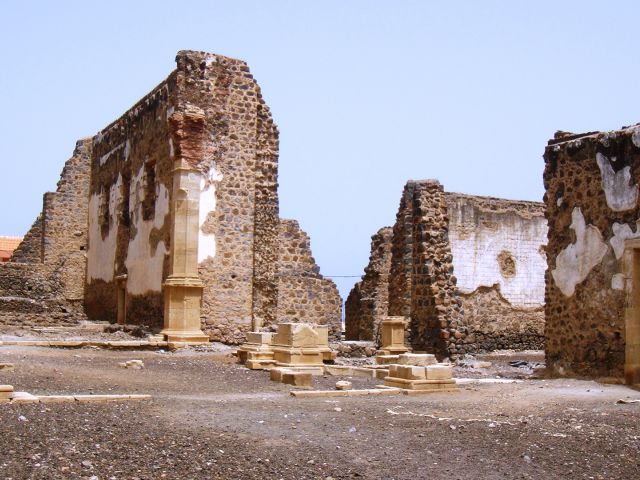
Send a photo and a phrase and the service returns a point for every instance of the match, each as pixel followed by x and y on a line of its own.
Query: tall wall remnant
pixel 179 214
pixel 592 287
pixel 467 271
pixel 44 281
pixel 368 302
pixel 303 293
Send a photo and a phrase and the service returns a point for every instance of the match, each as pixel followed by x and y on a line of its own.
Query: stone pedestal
pixel 432 378
pixel 328 355
pixel 392 338
pixel 257 351
pixel 296 344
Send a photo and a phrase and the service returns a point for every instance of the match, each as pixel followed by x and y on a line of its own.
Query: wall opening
pixel 121 282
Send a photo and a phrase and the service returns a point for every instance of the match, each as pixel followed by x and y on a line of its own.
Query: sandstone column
pixel 183 287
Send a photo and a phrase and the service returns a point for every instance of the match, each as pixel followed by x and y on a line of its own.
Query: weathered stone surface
pixel 591 183
pixel 368 302
pixel 344 385
pixel 299 379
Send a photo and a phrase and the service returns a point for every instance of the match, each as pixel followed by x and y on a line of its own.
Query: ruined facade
pixel 177 220
pixel 592 321
pixel 468 273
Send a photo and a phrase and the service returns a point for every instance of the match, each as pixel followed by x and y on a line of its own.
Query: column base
pixel 191 337
pixel 182 296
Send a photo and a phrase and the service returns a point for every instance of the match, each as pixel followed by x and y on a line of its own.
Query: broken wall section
pixel 304 295
pixel 499 263
pixel 591 201
pixel 43 283
pixel 368 301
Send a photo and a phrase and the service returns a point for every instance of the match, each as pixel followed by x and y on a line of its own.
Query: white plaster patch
pixel 101 253
pixel 476 245
pixel 144 263
pixel 104 158
pixel 127 150
pixel 621 232
pixel 620 193
pixel 574 263
pixel 617 281
pixel 207 241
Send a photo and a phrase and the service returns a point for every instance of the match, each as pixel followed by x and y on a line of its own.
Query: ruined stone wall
pixel 44 281
pixel 368 302
pixel 239 202
pixel 266 223
pixel 591 201
pixel 128 210
pixel 436 309
pixel 30 249
pixel 204 136
pixel 303 294
pixel 499 264
pixel 401 269
pixel 468 272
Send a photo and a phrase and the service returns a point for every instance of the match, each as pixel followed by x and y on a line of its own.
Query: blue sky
pixel 366 94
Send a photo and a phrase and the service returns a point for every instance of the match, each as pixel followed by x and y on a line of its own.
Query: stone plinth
pixel 422 359
pixel 328 355
pixel 393 336
pixel 430 378
pixel 257 347
pixel 296 344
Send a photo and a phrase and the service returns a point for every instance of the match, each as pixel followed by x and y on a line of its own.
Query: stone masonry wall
pixel 367 303
pixel 303 294
pixel 467 271
pixel 591 201
pixel 43 283
pixel 129 197
pixel 436 309
pixel 30 249
pixel 499 264
pixel 238 202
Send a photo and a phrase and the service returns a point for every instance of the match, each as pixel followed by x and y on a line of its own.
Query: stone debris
pixel 7 367
pixel 8 395
pixel 481 364
pixel 623 401
pixel 133 364
pixel 344 385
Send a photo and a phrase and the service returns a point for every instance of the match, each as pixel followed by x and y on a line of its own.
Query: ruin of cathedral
pixel 168 217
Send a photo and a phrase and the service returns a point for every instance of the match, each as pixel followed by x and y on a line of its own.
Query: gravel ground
pixel 211 418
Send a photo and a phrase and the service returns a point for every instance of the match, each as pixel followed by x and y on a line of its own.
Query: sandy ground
pixel 211 418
